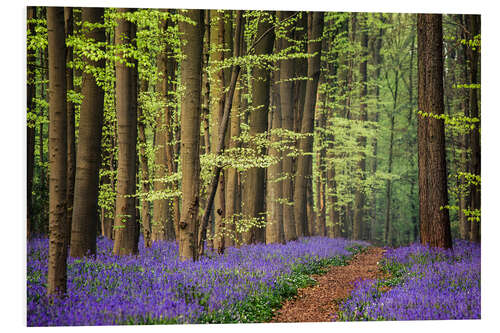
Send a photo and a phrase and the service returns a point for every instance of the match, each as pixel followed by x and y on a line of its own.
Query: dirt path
pixel 319 303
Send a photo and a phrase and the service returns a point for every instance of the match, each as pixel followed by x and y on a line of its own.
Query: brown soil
pixel 319 303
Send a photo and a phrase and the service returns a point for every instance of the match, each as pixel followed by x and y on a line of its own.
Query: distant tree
pixel 88 156
pixel 434 220
pixel 58 245
pixel 126 225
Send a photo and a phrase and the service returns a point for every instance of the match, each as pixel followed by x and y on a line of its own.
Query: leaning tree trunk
pixel 88 156
pixel 304 161
pixel 58 245
pixel 190 133
pixel 126 226
pixel 232 175
pixel 254 196
pixel 235 70
pixel 434 220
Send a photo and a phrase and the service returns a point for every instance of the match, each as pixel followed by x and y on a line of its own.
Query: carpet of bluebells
pixel 425 283
pixel 154 287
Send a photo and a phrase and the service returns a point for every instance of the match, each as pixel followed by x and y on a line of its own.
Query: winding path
pixel 319 303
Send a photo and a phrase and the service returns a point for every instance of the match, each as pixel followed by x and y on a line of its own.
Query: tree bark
pixel 190 133
pixel 433 193
pixel 254 195
pixel 304 162
pixel 88 157
pixel 58 244
pixel 126 226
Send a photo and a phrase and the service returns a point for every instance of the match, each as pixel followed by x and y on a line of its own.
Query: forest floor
pixel 319 303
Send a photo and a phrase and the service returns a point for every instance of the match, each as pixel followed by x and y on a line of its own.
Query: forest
pixel 208 166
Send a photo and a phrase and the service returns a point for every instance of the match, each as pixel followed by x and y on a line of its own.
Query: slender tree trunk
pixel 58 244
pixel 464 197
pixel 126 226
pixel 190 133
pixel 88 157
pixel 254 195
pixel 145 220
pixel 286 106
pixel 359 195
pixel 30 129
pixel 304 162
pixel 70 109
pixel 473 22
pixel 322 174
pixel 434 221
pixel 232 174
pixel 377 59
pixel 388 196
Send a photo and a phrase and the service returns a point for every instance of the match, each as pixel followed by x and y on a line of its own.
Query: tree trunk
pixel 388 196
pixel 274 226
pixel 190 133
pixel 254 196
pixel 58 244
pixel 70 110
pixel 145 218
pixel 217 105
pixel 473 22
pixel 232 175
pixel 286 106
pixel 88 157
pixel 434 221
pixel 304 162
pixel 359 195
pixel 377 60
pixel 126 226
pixel 165 211
pixel 464 197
